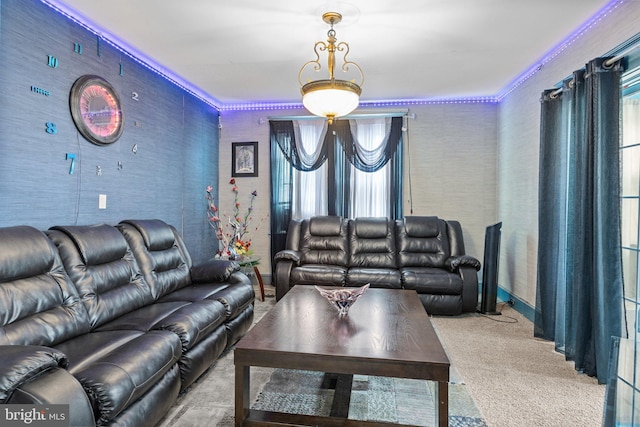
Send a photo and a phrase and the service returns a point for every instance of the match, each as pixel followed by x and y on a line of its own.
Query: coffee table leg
pixel 442 398
pixel 242 393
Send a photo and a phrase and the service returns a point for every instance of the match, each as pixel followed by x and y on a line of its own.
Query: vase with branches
pixel 233 233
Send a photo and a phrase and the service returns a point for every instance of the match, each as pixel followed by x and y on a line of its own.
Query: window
pixel 628 385
pixel 368 190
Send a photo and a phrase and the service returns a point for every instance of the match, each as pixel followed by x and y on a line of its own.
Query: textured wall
pixel 451 158
pixel 175 134
pixel 452 149
pixel 249 126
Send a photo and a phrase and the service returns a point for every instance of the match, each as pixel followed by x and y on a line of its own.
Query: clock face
pixel 96 110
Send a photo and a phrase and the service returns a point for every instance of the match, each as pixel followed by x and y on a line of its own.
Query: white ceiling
pixel 246 51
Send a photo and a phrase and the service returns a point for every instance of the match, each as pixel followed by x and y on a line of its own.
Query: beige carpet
pixel 516 379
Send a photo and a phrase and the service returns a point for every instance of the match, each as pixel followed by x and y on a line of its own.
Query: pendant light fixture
pixel 331 97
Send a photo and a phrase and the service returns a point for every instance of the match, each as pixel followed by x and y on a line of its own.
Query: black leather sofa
pixel 418 252
pixel 114 321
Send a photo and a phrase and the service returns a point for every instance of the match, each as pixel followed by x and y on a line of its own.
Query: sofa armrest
pixel 288 255
pixel 21 363
pixel 58 387
pixel 455 262
pixel 469 289
pixel 213 270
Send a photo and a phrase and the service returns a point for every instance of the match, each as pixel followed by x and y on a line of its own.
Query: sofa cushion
pixel 39 304
pixel 372 243
pixel 25 253
pixel 191 321
pixel 108 280
pixel 161 263
pixel 324 241
pixel 213 270
pixel 370 228
pixel 157 234
pixel 422 226
pixel 118 367
pixel 96 244
pixel 377 277
pixel 318 274
pixel 422 242
pixel 325 225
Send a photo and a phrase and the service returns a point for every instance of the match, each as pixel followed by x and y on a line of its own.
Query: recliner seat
pixel 166 265
pixel 118 297
pixel 422 253
pixel 114 368
pixel 80 324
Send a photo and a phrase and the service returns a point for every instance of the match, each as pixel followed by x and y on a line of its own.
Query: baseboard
pixel 519 305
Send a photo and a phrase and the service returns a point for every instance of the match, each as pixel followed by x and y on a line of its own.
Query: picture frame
pixel 244 159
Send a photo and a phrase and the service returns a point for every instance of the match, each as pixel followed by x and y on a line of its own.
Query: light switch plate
pixel 102 201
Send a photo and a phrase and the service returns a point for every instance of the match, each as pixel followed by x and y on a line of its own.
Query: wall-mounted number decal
pixel 52 61
pixel 99 170
pixel 52 129
pixel 36 89
pixel 72 157
pixel 77 48
pixel 135 96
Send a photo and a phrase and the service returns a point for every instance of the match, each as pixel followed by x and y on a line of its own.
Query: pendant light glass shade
pixel 331 98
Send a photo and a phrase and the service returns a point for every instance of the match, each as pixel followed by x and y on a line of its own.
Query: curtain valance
pixel 353 136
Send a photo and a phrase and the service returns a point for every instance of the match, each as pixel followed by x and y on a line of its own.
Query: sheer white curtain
pixel 370 190
pixel 309 188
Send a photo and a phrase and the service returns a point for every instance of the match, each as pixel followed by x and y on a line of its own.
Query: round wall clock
pixel 96 110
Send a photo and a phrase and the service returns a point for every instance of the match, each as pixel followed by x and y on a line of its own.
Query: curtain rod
pixel 609 62
pixel 362 115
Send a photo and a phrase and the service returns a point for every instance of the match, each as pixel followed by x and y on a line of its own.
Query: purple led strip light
pixel 253 106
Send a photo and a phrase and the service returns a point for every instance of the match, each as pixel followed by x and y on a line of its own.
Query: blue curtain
pixel 579 301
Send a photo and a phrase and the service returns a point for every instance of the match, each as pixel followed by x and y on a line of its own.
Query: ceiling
pixel 250 51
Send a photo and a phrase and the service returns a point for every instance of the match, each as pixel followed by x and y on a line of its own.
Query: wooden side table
pixel 252 263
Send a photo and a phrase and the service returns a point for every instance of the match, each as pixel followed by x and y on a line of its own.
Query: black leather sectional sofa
pixel 114 321
pixel 418 252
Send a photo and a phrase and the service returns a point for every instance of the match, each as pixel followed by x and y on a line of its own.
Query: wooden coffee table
pixel 387 333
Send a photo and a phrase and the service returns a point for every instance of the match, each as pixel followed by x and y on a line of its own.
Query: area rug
pixel 392 400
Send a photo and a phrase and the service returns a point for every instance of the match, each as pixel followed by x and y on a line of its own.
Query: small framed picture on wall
pixel 244 159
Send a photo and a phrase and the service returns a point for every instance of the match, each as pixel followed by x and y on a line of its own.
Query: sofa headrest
pixel 422 226
pixel 325 225
pixel 371 228
pixel 97 244
pixel 24 252
pixel 157 234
